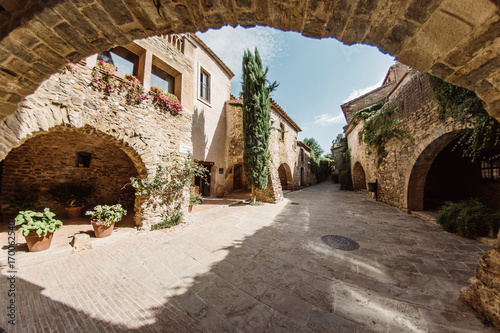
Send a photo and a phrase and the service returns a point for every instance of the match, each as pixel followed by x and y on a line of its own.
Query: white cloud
pixel 326 120
pixel 230 43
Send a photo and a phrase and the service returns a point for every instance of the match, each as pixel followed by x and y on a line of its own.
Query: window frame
pixel 282 131
pixel 125 53
pixel 493 169
pixel 204 88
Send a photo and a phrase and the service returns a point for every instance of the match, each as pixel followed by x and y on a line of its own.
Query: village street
pixel 257 269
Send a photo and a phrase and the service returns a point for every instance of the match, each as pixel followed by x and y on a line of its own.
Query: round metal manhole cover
pixel 340 242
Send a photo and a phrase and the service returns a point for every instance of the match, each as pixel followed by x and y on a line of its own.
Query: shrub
pixel 335 178
pixel 165 101
pixel 469 218
pixel 345 180
pixel 107 214
pixel 168 221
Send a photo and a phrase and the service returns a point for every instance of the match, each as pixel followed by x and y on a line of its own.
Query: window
pixel 162 79
pixel 282 131
pixel 490 170
pixel 205 85
pixel 83 159
pixel 301 155
pixel 126 61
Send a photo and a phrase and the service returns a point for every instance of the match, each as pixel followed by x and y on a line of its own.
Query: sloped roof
pixel 284 115
pixel 212 54
pixel 302 144
pixel 279 110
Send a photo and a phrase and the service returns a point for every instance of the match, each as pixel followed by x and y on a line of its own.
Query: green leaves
pixel 256 117
pixel 107 214
pixel 169 180
pixel 379 129
pixel 40 222
pixel 481 132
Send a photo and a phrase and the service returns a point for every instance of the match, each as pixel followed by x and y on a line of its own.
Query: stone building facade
pixel 421 172
pixel 212 88
pixel 285 152
pixel 303 175
pixel 66 116
pixel 41 141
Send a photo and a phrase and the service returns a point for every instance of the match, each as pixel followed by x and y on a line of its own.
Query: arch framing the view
pixel 38 40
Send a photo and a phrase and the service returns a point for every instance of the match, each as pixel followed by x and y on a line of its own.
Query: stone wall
pixel 144 133
pixel 282 146
pixel 303 174
pixel 401 175
pixel 484 292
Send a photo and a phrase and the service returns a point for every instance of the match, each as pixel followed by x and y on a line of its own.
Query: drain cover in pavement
pixel 340 242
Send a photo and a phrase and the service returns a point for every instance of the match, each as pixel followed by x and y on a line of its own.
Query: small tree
pixel 256 116
pixel 314 145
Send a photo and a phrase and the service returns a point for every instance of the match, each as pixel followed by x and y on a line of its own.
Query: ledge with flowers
pixel 105 79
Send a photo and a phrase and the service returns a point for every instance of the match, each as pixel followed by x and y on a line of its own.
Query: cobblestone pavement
pixel 256 269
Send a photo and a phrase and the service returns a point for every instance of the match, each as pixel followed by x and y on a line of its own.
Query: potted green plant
pixel 72 196
pixel 37 228
pixel 103 218
pixel 195 197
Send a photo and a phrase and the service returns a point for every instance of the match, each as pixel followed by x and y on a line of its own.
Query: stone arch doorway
pixel 358 177
pixel 420 170
pixel 452 177
pixel 38 39
pixel 48 159
pixel 285 175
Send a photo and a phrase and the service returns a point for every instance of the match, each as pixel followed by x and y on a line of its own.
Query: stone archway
pixel 420 169
pixel 286 178
pixel 358 177
pixel 48 159
pixel 37 40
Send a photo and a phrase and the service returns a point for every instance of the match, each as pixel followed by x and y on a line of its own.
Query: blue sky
pixel 315 76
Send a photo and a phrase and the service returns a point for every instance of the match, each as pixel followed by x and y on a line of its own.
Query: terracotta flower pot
pixel 36 243
pixel 74 212
pixel 101 230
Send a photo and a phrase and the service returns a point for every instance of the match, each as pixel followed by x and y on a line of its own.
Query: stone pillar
pixel 145 72
pixel 273 192
pixel 483 294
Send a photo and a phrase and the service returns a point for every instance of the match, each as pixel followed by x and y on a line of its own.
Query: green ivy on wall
pixel 481 132
pixel 380 126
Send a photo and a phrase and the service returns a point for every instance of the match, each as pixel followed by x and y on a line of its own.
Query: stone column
pixel 483 294
pixel 146 59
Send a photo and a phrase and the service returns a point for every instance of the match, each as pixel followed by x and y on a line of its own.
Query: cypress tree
pixel 256 116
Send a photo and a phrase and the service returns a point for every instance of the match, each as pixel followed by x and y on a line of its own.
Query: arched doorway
pixel 71 157
pixel 452 177
pixel 420 169
pixel 285 175
pixel 358 177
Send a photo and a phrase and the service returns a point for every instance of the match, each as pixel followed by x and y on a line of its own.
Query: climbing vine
pixel 169 180
pixel 380 126
pixel 481 132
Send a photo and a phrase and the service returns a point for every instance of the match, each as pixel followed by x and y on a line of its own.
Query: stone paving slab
pixel 257 269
